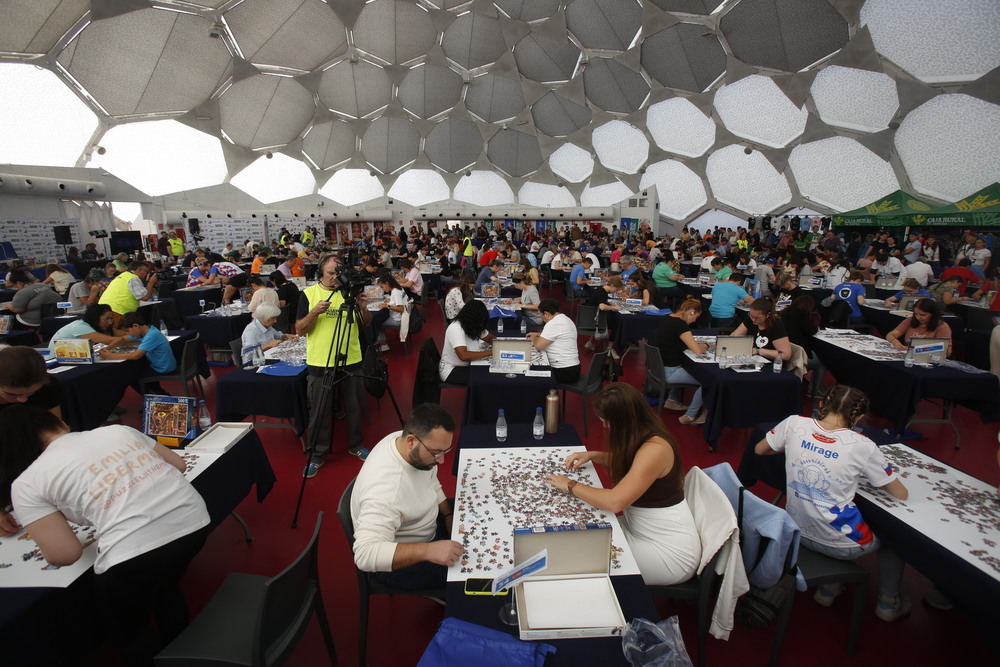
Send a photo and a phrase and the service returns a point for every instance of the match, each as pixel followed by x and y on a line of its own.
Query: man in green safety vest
pixel 128 288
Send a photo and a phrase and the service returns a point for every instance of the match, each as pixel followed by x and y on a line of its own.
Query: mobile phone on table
pixel 481 587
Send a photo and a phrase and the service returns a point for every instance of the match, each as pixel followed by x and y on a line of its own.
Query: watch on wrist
pixel 569 487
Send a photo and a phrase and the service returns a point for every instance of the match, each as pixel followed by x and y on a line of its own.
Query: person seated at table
pixel 29 299
pixel 487 275
pixel 785 287
pixel 910 287
pixel 984 291
pixel 666 276
pixel 292 267
pixel 558 339
pixel 150 521
pixel 673 336
pixel 948 291
pixel 926 322
pixel 234 282
pixel 401 516
pixel 529 269
pixel 261 329
pixel 824 462
pixel 121 262
pixel 261 294
pixel 646 290
pixel 967 278
pixel 95 326
pixel 107 274
pixel 391 311
pixel 578 277
pixel 412 281
pixel 529 298
pixel 798 321
pixel 256 266
pixel 601 298
pixel 463 343
pixel 459 295
pixel 852 293
pixel 768 331
pixel 57 278
pixel 79 293
pixel 628 266
pixel 645 466
pixel 153 346
pixel 726 294
pixel 721 269
pixel 203 274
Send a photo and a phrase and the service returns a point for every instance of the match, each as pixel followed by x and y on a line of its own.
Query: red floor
pixel 400 627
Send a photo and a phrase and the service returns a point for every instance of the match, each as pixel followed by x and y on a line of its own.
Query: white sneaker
pixel 614 354
pixel 384 347
pixel 671 404
pixel 590 345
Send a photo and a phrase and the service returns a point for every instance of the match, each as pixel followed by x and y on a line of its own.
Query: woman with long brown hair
pixel 673 337
pixel 645 466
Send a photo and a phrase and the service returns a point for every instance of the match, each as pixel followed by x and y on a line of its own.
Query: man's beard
pixel 414 460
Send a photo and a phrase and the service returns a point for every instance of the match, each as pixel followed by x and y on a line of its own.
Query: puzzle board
pixel 501 488
pixel 956 510
pixel 871 347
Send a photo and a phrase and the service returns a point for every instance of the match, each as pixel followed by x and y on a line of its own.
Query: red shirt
pixel 488 257
pixel 965 274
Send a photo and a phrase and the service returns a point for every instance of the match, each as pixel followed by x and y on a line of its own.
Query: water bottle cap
pixel 501 411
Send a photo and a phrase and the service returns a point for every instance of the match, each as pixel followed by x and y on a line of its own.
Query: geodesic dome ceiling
pixel 744 105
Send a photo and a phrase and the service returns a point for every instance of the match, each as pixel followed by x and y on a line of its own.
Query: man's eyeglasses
pixel 436 454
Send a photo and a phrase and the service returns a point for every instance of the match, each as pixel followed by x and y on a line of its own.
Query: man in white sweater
pixel 401 516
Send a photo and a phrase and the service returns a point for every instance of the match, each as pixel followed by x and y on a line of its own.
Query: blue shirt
pixel 158 352
pixel 725 296
pixel 900 294
pixel 628 272
pixel 255 334
pixel 483 279
pixel 850 292
pixel 75 329
pixel 574 276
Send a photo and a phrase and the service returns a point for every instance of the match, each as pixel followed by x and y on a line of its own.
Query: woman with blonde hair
pixel 645 467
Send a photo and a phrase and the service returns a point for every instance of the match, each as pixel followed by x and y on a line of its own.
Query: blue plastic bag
pixel 458 643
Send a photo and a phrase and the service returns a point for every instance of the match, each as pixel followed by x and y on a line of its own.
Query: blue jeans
pixel 677 374
pixel 890 565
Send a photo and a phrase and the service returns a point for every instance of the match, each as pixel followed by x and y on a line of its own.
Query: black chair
pixel 588 385
pixel 367 586
pixel 256 620
pixel 236 348
pixel 186 371
pixel 444 315
pixel 591 320
pixel 573 298
pixel 656 380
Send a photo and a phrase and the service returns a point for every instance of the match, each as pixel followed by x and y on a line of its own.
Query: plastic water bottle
pixel 524 326
pixel 500 325
pixel 501 427
pixel 777 363
pixel 258 356
pixel 909 358
pixel 201 302
pixel 538 426
pixel 163 327
pixel 724 358
pixel 204 416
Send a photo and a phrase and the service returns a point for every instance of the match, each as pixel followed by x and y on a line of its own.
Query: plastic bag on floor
pixel 648 644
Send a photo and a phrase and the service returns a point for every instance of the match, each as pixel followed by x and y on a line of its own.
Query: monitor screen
pixel 129 242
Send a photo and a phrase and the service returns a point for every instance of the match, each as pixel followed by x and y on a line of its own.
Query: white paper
pixel 570 603
pixel 58 369
pixel 219 438
pixel 538 374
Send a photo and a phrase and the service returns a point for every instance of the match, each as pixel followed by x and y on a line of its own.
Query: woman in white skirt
pixel 648 477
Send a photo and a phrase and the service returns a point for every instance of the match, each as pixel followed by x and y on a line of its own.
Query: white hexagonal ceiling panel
pixel 275 178
pixel 523 89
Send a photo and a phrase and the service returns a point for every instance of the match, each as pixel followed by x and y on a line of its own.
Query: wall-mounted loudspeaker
pixel 63 235
pixel 194 225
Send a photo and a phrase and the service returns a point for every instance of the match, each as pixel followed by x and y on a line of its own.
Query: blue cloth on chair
pixel 459 643
pixel 497 311
pixel 765 526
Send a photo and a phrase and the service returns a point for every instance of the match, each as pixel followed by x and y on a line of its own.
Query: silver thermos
pixel 552 412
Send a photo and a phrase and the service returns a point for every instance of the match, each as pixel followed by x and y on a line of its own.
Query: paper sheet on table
pixel 58 369
pixel 538 374
pixel 570 603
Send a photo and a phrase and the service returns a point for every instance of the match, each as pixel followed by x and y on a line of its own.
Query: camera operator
pixel 128 288
pixel 318 315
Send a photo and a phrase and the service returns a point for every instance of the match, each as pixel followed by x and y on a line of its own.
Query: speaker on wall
pixel 194 225
pixel 63 235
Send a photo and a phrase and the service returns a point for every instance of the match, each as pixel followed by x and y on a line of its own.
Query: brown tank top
pixel 666 491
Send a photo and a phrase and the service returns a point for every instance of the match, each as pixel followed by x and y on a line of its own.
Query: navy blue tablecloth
pixel 92 391
pixel 483 436
pixel 188 299
pixel 740 400
pixel 632 327
pixel 977 347
pixel 975 318
pixel 518 396
pixel 218 331
pixel 894 391
pixel 242 393
pixel 20 337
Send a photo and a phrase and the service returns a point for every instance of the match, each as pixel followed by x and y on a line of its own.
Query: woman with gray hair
pixel 261 329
